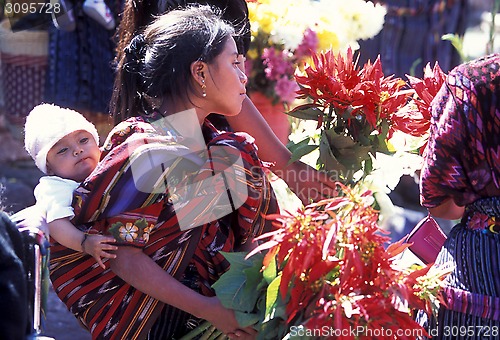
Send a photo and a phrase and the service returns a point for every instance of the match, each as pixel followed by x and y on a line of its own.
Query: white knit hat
pixel 46 125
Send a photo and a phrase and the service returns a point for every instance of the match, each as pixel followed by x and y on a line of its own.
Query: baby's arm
pixel 64 232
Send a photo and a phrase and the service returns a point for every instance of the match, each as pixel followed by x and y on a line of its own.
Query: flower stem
pixel 197 331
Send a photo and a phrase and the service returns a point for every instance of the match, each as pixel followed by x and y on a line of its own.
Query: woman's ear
pixel 198 71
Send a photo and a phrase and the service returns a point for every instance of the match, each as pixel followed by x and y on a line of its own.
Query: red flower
pixel 331 81
pixel 335 271
pixel 336 82
pixel 414 119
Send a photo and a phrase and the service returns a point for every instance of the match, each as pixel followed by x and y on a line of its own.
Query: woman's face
pixel 74 156
pixel 225 82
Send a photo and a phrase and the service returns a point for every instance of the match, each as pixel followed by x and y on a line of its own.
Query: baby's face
pixel 74 156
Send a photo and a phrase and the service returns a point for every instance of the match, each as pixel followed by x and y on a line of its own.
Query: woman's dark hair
pixel 157 62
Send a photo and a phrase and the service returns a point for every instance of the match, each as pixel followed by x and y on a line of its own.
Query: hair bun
pixel 135 53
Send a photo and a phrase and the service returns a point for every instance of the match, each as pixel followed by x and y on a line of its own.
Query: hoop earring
pixel 203 88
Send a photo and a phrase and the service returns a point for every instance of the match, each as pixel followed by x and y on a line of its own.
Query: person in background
pixel 79 73
pixel 307 183
pixel 411 36
pixel 64 19
pixel 65 146
pixel 173 191
pixel 460 179
pixel 13 282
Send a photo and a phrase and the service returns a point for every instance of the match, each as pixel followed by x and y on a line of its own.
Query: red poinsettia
pixel 359 109
pixel 336 82
pixel 414 118
pixel 336 273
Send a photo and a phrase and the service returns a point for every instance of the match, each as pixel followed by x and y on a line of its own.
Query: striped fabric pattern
pixel 104 303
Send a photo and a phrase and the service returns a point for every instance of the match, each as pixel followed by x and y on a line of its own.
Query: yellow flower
pixel 328 40
pixel 262 17
pixel 252 54
pixel 128 232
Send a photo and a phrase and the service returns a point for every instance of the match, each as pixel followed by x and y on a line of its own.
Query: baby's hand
pixel 97 246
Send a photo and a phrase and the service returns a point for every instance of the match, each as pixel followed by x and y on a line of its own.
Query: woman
pixel 460 179
pixel 174 198
pixel 307 183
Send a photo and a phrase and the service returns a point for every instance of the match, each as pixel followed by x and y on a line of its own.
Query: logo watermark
pixel 203 184
pixel 32 14
pixel 328 332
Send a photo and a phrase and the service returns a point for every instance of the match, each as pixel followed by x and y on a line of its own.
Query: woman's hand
pixel 225 321
pixel 132 265
pixel 307 183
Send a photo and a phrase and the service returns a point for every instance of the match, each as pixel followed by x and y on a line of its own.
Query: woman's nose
pixel 243 78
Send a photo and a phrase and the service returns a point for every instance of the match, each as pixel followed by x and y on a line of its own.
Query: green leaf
pixel 457 42
pixel 231 286
pixel 294 146
pixel 254 276
pixel 270 272
pixel 276 327
pixel 246 319
pixel 339 142
pixel 302 151
pixel 306 111
pixel 326 156
pixel 269 330
pixel 368 165
pixel 272 297
pixel 230 291
pixel 237 258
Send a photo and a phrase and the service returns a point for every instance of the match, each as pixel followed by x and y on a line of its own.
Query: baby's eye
pixel 84 140
pixel 61 151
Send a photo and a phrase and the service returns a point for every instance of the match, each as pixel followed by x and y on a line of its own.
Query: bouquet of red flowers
pixel 325 273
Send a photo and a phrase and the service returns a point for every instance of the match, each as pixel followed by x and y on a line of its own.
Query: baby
pixel 65 146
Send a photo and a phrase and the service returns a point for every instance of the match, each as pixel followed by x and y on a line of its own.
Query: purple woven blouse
pixel 462 159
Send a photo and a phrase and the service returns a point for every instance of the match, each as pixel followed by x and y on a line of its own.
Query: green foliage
pixel 457 42
pixel 253 293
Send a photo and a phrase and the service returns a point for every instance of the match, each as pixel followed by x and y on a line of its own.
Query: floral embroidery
pixel 494 225
pixel 484 222
pixel 137 232
pixel 478 221
pixel 128 232
pixel 146 231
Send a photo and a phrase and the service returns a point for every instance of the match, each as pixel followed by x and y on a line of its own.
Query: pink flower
pixel 286 88
pixel 277 63
pixel 309 44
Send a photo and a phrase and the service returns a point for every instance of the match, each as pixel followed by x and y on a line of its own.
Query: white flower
pixel 128 232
